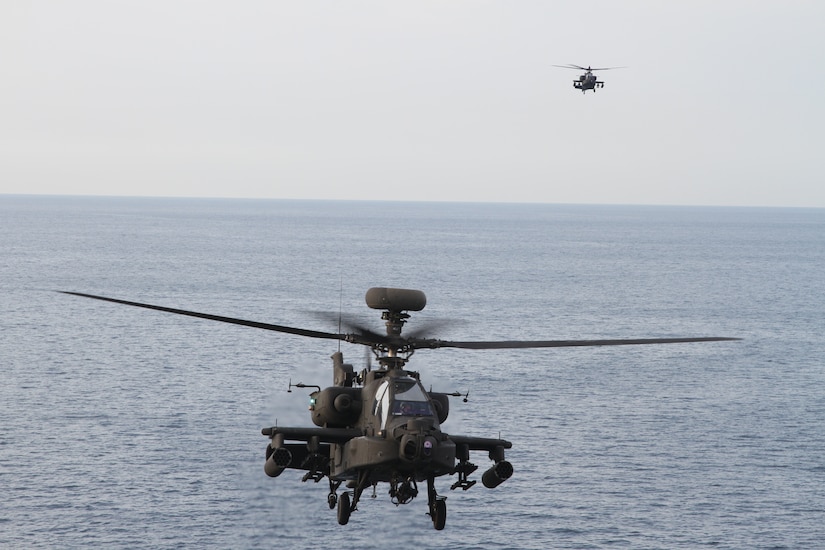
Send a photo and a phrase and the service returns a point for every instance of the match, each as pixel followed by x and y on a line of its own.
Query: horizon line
pixel 412 201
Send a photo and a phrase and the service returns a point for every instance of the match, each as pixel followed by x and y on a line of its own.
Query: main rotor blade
pixel 571 66
pixel 232 320
pixel 429 328
pixel 369 338
pixel 350 324
pixel 511 344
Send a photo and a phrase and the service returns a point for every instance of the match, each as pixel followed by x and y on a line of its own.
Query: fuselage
pixel 402 433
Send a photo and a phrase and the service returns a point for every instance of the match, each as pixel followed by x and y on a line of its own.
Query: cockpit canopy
pixel 409 399
pixel 401 397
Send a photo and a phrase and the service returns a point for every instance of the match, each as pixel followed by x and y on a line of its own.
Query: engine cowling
pixel 441 401
pixel 336 407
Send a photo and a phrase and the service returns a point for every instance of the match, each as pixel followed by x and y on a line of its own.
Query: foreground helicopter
pixel 588 80
pixel 382 426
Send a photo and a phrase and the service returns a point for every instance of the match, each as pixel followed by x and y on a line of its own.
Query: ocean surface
pixel 128 428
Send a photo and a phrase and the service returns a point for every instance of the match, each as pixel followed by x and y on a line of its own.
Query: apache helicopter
pixel 588 80
pixel 382 426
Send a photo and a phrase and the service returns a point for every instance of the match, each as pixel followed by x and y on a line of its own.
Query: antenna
pixel 340 309
pixel 301 385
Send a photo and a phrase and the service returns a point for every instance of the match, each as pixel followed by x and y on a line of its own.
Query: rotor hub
pixel 395 322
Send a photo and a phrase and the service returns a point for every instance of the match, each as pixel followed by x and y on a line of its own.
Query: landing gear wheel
pixel 332 499
pixel 439 514
pixel 344 509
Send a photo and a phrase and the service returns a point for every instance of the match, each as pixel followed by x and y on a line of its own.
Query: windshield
pixel 409 399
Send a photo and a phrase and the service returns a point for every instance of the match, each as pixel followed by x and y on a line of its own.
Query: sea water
pixel 123 427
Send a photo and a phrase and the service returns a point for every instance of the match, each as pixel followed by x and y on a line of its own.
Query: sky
pixel 720 103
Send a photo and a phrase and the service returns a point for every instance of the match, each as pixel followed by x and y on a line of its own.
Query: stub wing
pixel 324 435
pixel 480 443
pixel 500 471
pixel 312 456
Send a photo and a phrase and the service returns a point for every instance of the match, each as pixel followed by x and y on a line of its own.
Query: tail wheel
pixel 344 509
pixel 439 514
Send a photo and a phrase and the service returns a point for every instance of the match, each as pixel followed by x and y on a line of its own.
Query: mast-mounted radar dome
pixel 395 299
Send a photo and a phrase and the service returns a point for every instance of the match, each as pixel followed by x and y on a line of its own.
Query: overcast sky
pixel 721 102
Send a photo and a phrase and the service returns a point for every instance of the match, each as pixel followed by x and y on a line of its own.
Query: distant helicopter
pixel 588 80
pixel 382 425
